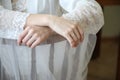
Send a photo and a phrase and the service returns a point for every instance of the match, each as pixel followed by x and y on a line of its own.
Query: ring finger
pixel 81 33
pixel 73 35
pixel 31 40
pixel 27 37
pixel 70 39
pixel 76 31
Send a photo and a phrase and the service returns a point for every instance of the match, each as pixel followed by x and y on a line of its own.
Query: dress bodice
pixel 38 6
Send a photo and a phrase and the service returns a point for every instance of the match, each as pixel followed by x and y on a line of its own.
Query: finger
pixel 37 42
pixel 74 37
pixel 30 41
pixel 81 33
pixel 76 31
pixel 70 39
pixel 76 44
pixel 22 35
pixel 41 38
pixel 27 37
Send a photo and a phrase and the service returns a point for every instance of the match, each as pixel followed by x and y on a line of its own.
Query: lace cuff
pixel 11 23
pixel 19 22
pixel 89 15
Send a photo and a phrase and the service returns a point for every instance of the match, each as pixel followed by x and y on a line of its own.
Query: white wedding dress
pixel 54 59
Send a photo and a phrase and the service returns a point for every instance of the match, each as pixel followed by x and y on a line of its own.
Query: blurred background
pixel 105 62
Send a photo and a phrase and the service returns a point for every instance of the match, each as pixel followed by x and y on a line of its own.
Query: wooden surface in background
pixel 96 53
pixel 103 3
pixel 109 2
pixel 118 63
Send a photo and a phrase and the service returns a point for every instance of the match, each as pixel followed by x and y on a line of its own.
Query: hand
pixel 34 35
pixel 68 29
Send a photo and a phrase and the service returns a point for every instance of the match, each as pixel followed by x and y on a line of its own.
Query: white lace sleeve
pixel 11 23
pixel 87 12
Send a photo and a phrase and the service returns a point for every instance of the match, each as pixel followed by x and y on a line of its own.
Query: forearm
pixel 88 14
pixel 38 20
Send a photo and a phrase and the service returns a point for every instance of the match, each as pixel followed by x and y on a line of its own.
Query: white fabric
pixel 11 22
pixel 87 12
pixel 64 63
pixel 54 61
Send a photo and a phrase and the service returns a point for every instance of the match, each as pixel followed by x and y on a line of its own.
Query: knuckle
pixel 72 26
pixel 27 28
pixel 35 35
pixel 71 29
pixel 20 36
pixel 32 31
pixel 76 23
pixel 66 33
pixel 23 41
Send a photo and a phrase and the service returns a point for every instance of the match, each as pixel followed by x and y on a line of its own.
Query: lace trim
pixel 19 22
pixel 11 23
pixel 89 15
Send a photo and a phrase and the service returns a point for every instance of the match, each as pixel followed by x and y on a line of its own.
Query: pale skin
pixel 39 27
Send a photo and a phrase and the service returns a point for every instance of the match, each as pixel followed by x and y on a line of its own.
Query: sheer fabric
pixel 87 12
pixel 55 59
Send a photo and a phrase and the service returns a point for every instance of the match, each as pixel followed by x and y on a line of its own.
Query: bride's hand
pixel 33 36
pixel 68 29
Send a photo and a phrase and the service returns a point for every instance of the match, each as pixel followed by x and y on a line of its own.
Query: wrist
pixel 51 21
